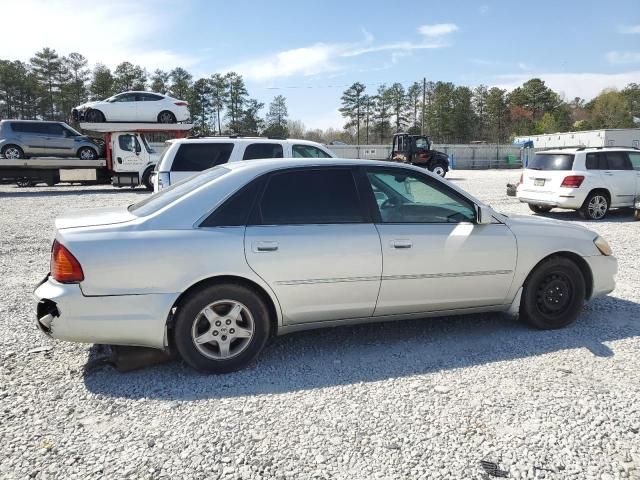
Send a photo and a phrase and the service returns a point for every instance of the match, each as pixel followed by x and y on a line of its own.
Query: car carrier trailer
pixel 129 160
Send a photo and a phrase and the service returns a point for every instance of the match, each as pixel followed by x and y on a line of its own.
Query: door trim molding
pixel 420 276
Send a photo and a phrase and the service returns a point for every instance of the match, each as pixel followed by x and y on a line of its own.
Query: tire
pixel 146 179
pixel 440 170
pixel 553 294
pixel 222 302
pixel 94 116
pixel 87 153
pixel 12 152
pixel 166 117
pixel 636 214
pixel 595 207
pixel 539 208
pixel 25 182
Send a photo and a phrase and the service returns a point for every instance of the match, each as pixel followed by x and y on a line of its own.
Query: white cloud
pixel 438 29
pixel 484 9
pixel 616 57
pixel 99 30
pixel 629 29
pixel 322 58
pixel 585 85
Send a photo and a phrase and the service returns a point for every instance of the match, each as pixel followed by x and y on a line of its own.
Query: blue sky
pixel 309 51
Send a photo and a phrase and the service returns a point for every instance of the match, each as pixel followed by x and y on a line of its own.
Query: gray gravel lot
pixel 415 399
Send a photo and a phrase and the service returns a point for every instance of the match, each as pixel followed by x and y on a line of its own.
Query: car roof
pixel 270 164
pixel 238 139
pixel 573 150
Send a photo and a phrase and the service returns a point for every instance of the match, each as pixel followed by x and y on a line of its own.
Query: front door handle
pixel 401 243
pixel 265 246
pixel 608 173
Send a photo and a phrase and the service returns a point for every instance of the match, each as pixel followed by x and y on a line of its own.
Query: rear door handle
pixel 265 246
pixel 608 173
pixel 401 243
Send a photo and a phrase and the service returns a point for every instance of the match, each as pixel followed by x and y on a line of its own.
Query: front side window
pixel 635 160
pixel 311 196
pixel 195 157
pixel 309 151
pixel 55 129
pixel 263 150
pixel 617 161
pixel 403 197
pixel 128 143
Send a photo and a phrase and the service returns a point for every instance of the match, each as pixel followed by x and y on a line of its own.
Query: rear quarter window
pixel 195 157
pixel 551 161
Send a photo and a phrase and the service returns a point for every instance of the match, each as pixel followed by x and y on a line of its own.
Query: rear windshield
pixel 164 197
pixel 551 161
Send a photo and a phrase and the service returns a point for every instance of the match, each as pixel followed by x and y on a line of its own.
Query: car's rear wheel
pixel 539 208
pixel 166 117
pixel 595 207
pixel 25 182
pixel 146 179
pixel 12 152
pixel 553 294
pixel 221 328
pixel 87 153
pixel 94 116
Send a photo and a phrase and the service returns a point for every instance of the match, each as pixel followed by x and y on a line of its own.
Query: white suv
pixel 186 157
pixel 589 180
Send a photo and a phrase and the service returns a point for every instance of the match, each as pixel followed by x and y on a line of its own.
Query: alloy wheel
pixel 223 329
pixel 12 153
pixel 597 207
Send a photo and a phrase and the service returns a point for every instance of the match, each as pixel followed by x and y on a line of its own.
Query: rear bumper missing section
pixel 63 312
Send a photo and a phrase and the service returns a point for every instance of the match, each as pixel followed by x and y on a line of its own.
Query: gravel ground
pixel 415 399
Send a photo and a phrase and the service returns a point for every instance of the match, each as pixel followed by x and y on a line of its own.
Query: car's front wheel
pixel 94 116
pixel 553 294
pixel 221 328
pixel 87 153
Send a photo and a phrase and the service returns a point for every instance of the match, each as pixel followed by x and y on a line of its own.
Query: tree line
pixel 459 114
pixel 49 86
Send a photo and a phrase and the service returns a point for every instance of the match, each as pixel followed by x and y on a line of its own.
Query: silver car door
pixel 435 257
pixel 312 242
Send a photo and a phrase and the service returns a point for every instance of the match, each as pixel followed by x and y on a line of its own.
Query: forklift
pixel 416 150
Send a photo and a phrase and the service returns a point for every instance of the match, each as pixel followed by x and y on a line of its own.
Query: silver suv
pixel 36 138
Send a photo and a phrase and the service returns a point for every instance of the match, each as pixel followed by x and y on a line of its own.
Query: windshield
pixel 551 161
pixel 172 193
pixel 146 144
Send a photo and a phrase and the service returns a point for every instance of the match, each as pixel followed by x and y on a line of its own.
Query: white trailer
pixel 129 161
pixel 608 137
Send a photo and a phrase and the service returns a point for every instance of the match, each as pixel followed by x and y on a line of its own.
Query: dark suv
pixel 35 138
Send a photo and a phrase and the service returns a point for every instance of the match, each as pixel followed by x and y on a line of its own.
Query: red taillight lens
pixel 181 104
pixel 572 181
pixel 64 266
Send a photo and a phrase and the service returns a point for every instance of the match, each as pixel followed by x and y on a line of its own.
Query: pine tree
pixel 414 97
pixel 219 97
pixel 381 113
pixel 277 118
pixel 250 121
pixel 235 98
pixel 480 94
pixel 352 107
pixel 180 83
pixel 160 81
pixel 102 83
pixel 128 77
pixel 398 100
pixel 46 66
pixel 76 64
pixel 200 105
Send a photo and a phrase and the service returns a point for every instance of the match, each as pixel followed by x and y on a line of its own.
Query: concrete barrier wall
pixel 461 156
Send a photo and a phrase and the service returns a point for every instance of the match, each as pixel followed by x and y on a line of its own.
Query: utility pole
pixel 424 91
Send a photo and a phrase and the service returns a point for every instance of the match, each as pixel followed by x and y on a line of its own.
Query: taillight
pixel 572 181
pixel 181 104
pixel 64 266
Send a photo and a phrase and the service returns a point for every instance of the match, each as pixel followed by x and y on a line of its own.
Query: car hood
pixel 88 105
pixel 527 220
pixel 93 217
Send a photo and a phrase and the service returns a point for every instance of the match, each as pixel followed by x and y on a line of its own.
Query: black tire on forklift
pixel 439 169
pixel 146 179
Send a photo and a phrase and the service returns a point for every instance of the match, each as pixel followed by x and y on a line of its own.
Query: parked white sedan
pixel 134 107
pixel 216 264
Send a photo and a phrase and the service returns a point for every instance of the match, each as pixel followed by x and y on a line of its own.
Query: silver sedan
pixel 215 265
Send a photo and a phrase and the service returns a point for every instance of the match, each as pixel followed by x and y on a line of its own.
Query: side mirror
pixel 484 215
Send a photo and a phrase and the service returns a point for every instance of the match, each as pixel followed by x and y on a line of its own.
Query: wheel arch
pixel 104 117
pixel 270 301
pixel 175 118
pixel 602 190
pixel 580 262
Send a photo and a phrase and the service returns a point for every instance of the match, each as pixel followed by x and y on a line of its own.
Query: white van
pixel 589 180
pixel 186 157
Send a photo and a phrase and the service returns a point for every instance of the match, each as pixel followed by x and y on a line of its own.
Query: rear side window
pixel 308 151
pixel 311 197
pixel 263 150
pixel 635 160
pixel 551 161
pixel 149 97
pixel 235 210
pixel 618 161
pixel 596 161
pixel 28 127
pixel 195 157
